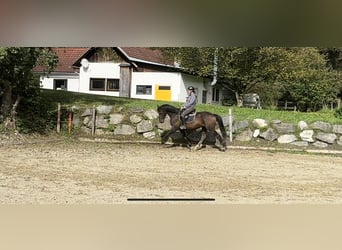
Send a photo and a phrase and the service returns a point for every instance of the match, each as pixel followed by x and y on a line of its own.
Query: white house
pixel 130 72
pixel 65 76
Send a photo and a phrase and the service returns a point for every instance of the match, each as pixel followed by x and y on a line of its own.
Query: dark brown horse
pixel 204 120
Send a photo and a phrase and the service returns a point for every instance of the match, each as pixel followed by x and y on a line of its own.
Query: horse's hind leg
pixel 219 138
pixel 203 136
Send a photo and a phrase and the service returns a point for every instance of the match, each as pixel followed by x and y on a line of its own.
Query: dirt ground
pixel 81 172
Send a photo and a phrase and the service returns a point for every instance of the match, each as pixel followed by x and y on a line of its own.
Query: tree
pixel 310 81
pixel 334 56
pixel 16 77
pixel 304 73
pixel 239 69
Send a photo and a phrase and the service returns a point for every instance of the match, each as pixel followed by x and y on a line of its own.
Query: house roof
pixel 70 57
pixel 147 55
pixel 67 56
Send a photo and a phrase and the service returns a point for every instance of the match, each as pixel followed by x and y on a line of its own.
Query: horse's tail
pixel 222 129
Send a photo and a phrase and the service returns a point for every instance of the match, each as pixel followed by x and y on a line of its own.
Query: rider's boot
pixel 182 126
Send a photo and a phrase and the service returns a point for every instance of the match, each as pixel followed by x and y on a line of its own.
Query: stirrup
pixel 182 127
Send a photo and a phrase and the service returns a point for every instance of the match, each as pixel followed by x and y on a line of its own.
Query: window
pixel 60 84
pixel 204 96
pixel 144 89
pixel 97 84
pixel 113 84
pixel 216 95
pixel 164 87
pixel 102 84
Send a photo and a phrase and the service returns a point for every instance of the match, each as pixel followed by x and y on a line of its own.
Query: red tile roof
pixel 67 56
pixel 146 54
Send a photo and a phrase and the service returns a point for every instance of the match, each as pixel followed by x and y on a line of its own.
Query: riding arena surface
pixel 67 171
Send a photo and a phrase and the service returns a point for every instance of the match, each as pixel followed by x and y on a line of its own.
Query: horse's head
pixel 162 114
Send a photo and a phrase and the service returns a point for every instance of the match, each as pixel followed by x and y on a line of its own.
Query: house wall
pixel 98 70
pixel 212 91
pixel 47 82
pixel 153 79
pixel 196 82
pixel 178 82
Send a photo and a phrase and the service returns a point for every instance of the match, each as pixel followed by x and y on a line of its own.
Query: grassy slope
pixel 87 100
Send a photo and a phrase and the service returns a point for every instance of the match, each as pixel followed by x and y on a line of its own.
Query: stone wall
pixel 139 123
pixel 319 134
pixel 117 122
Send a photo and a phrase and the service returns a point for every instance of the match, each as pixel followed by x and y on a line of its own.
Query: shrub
pixel 338 113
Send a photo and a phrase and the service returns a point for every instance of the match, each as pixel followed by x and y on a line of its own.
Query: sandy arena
pixel 75 172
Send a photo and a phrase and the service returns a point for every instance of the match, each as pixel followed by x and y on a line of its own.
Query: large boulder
pixel 240 125
pixel 326 137
pixel 87 112
pixel 300 143
pixel 285 128
pixel 124 129
pixel 151 114
pixel 323 126
pixel 306 135
pixel 256 133
pixel 104 109
pixel 136 109
pixel 149 135
pixel 302 125
pixel 135 118
pixel 144 126
pixel 245 135
pixel 269 135
pixel 337 129
pixel 286 138
pixel 115 119
pixel 101 122
pixel 259 123
pixel 339 141
pixel 320 144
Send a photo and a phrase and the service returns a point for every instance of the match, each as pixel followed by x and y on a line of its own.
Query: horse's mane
pixel 169 108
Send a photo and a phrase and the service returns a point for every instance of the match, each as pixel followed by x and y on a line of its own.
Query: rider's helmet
pixel 191 88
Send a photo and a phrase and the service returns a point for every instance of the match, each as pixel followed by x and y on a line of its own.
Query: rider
pixel 188 106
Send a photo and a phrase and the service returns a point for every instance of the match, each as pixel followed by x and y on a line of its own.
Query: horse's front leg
pixel 185 136
pixel 165 138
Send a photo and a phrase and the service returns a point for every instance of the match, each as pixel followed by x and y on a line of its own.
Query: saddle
pixel 190 117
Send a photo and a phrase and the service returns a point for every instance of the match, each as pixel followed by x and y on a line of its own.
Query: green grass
pixel 68 99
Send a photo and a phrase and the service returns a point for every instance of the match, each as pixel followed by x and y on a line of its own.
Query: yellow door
pixel 163 93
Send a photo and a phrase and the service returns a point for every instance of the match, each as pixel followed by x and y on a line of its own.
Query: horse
pixel 205 120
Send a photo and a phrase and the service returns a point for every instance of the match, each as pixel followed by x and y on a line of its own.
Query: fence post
pixel 230 123
pixel 70 122
pixel 59 118
pixel 94 121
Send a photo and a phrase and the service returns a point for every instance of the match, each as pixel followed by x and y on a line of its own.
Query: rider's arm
pixel 190 102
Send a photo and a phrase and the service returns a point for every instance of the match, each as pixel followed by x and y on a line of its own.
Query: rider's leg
pixel 182 119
